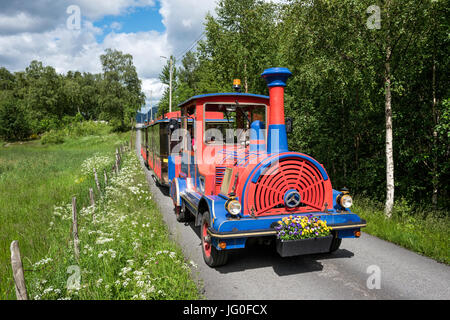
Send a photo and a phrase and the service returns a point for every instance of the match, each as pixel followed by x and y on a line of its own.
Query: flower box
pixel 290 248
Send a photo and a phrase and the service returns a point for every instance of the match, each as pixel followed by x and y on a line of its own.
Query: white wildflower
pixel 102 240
pixel 192 263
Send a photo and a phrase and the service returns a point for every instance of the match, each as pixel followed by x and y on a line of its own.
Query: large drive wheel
pixel 211 255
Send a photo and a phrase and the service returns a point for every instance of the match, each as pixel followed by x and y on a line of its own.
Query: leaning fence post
pixel 91 197
pixel 96 181
pixel 106 177
pixel 75 228
pixel 118 155
pixel 17 267
pixel 117 164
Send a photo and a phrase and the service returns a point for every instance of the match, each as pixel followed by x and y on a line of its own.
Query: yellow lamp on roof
pixel 237 85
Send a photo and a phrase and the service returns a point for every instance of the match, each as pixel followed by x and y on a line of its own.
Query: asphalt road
pixel 364 268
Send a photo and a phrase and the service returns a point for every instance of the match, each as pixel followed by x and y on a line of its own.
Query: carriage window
pixel 230 123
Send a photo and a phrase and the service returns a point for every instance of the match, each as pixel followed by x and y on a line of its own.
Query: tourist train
pixel 226 162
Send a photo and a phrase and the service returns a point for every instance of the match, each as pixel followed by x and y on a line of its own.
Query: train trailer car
pixel 163 135
pixel 238 179
pixel 156 146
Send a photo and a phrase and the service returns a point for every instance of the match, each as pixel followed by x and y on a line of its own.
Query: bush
pixel 89 128
pixel 76 130
pixel 52 137
pixel 13 123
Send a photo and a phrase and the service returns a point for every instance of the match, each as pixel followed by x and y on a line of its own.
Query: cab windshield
pixel 230 123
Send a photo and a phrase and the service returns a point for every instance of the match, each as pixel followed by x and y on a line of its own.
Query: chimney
pixel 276 81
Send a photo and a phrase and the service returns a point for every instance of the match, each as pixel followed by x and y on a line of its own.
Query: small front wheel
pixel 181 212
pixel 335 244
pixel 212 256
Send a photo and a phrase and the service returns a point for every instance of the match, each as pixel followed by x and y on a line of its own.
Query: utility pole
pixel 151 107
pixel 170 84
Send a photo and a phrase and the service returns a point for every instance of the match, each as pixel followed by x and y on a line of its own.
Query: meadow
pixel 125 252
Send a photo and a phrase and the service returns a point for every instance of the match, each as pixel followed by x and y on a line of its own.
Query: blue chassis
pixel 235 232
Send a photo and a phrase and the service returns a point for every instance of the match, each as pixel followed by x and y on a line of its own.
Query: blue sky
pixel 132 21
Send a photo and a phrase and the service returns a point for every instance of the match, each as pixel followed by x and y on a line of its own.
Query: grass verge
pixel 426 234
pixel 125 252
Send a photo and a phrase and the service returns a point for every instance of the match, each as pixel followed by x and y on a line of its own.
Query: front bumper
pixel 247 228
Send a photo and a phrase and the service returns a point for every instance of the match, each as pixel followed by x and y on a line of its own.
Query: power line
pixel 192 45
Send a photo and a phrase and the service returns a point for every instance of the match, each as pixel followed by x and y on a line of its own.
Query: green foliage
pixel 120 89
pixel 13 123
pixel 124 236
pixel 87 128
pixel 75 129
pixel 52 137
pixel 414 228
pixel 336 95
pixel 38 99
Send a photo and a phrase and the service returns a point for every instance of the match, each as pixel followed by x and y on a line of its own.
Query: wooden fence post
pixel 106 177
pixel 75 228
pixel 96 181
pixel 117 163
pixel 17 267
pixel 91 197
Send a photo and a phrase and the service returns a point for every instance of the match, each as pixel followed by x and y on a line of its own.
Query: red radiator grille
pixel 266 196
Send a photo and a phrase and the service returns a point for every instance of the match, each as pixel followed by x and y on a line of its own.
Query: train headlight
pixel 346 201
pixel 233 207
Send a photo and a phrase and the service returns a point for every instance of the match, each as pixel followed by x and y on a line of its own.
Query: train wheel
pixel 212 256
pixel 335 244
pixel 181 213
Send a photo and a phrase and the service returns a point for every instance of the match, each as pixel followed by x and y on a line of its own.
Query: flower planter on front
pixel 290 248
pixel 302 235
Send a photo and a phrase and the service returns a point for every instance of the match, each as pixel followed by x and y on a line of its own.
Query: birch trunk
pixel 389 141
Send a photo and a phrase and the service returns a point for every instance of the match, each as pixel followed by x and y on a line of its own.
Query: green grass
pixel 37 184
pixel 419 231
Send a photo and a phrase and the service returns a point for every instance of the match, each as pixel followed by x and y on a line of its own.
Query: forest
pixel 369 93
pixel 39 99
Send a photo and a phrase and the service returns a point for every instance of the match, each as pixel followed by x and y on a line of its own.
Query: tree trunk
pixel 435 177
pixel 245 78
pixel 389 140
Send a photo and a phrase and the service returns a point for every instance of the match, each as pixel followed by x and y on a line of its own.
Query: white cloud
pixel 153 89
pixel 95 9
pixel 184 21
pixel 116 26
pixel 20 22
pixel 36 30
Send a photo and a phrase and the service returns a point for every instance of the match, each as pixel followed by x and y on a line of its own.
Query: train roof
pixel 166 120
pixel 212 95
